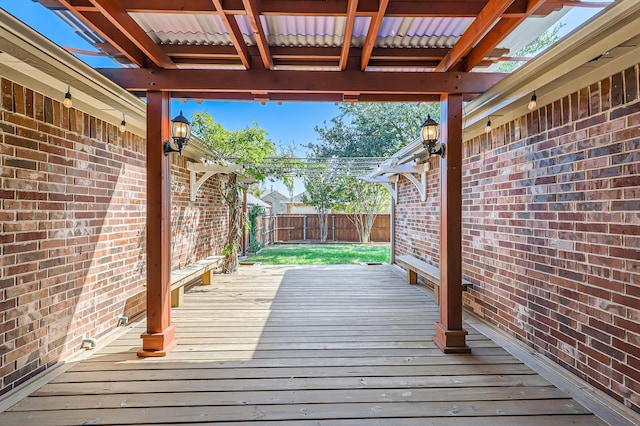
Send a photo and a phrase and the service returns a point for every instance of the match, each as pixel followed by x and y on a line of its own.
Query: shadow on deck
pixel 331 345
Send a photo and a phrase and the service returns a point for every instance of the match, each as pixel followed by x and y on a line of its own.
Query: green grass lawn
pixel 322 254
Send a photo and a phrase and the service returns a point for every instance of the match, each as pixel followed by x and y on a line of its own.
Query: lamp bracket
pixel 168 149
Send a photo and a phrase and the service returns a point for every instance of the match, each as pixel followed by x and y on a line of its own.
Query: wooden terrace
pixel 333 345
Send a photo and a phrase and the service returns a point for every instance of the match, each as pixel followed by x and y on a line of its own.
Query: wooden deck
pixel 348 345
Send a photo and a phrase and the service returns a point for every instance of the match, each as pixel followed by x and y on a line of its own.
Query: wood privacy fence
pixel 306 227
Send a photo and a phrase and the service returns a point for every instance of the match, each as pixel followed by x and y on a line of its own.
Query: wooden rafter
pixel 352 8
pixel 259 33
pixel 102 26
pixel 500 30
pixel 489 14
pixel 235 34
pixel 119 18
pixel 372 34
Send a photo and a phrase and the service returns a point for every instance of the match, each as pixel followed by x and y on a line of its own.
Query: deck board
pixel 342 346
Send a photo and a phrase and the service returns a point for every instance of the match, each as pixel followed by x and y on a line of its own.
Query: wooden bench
pixel 430 272
pixel 180 277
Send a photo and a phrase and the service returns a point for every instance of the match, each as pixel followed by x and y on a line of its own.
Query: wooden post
pixel 159 338
pixel 450 337
pixel 243 228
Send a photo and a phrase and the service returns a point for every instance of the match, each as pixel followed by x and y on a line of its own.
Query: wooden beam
pixel 118 17
pixel 258 31
pixel 307 52
pixel 306 97
pixel 372 34
pixel 194 80
pixel 492 11
pixel 231 24
pixel 200 51
pixel 159 338
pixel 502 29
pixel 369 8
pixel 450 337
pixel 352 7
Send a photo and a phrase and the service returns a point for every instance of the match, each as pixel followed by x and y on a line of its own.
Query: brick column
pixel 160 335
pixel 450 337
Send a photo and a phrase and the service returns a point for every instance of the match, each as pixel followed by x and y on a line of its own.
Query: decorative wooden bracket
pixel 209 168
pixel 408 171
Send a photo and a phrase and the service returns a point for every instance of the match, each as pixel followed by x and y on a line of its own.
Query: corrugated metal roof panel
pixel 324 31
pixel 415 32
pixel 165 28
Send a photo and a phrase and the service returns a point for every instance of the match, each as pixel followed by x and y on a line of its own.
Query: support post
pixel 450 337
pixel 392 231
pixel 159 339
pixel 243 243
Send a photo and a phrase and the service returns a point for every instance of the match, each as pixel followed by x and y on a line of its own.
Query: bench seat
pixel 200 269
pixel 430 272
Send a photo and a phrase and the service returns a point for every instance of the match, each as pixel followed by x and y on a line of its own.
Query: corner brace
pixel 209 169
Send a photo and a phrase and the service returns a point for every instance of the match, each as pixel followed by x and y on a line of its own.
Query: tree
pixel 362 201
pixel 247 147
pixel 289 162
pixel 371 129
pixel 322 193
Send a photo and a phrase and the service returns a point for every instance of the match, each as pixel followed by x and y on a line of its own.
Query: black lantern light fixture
pixel 180 133
pixel 429 133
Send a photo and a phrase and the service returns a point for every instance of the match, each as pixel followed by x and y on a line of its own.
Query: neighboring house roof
pixel 298 198
pixel 273 195
pixel 252 200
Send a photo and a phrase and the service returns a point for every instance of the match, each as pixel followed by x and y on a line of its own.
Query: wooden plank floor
pixel 336 345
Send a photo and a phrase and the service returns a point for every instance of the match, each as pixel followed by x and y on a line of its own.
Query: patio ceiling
pixel 318 50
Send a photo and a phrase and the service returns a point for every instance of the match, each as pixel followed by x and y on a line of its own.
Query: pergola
pixel 293 50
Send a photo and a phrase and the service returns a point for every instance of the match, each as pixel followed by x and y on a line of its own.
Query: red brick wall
pixel 417 223
pixel 551 235
pixel 72 217
pixel 73 235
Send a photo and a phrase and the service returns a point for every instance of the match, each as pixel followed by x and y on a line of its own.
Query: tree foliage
pixel 247 147
pixel 371 129
pixel 367 130
pixel 322 193
pixel 362 201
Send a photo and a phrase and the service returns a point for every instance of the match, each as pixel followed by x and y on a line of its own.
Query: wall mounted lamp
pixel 123 125
pixel 487 128
pixel 533 103
pixel 67 102
pixel 429 132
pixel 180 133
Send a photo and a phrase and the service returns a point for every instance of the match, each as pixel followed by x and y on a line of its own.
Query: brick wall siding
pixel 73 234
pixel 198 228
pixel 72 246
pixel 551 231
